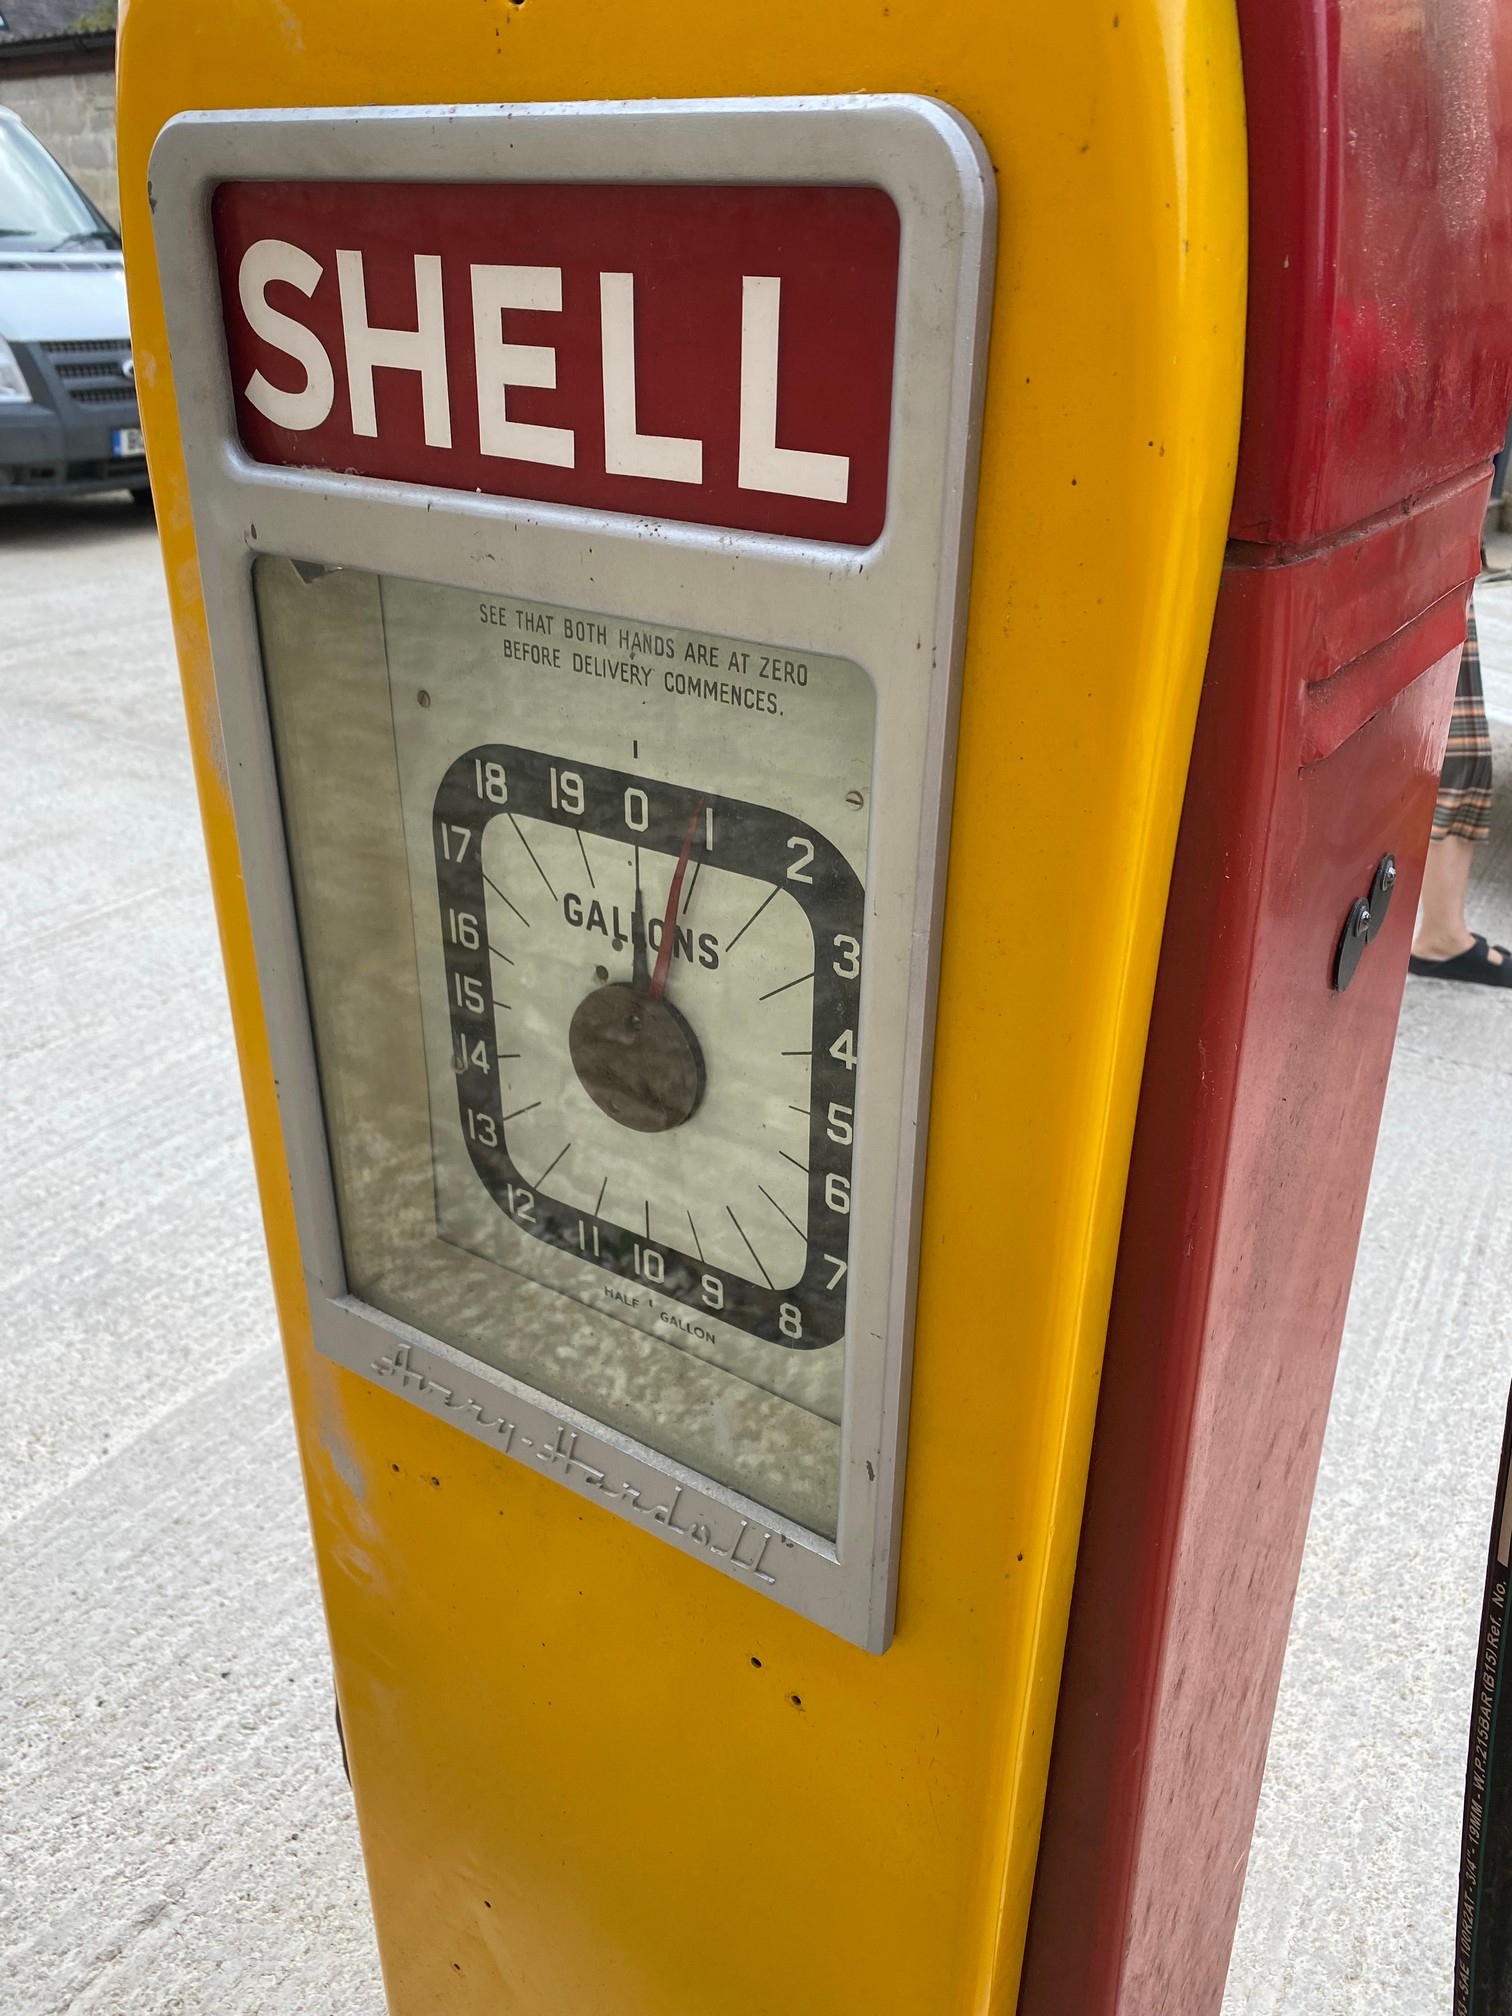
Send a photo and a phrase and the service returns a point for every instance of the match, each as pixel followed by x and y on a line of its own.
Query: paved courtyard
pixel 175 1833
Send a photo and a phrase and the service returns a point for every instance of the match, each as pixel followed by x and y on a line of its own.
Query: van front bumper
pixel 62 442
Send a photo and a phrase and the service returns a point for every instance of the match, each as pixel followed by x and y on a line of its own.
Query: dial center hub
pixel 637 1058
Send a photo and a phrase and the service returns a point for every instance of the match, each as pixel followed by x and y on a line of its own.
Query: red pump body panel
pixel 1377 342
pixel 1378 381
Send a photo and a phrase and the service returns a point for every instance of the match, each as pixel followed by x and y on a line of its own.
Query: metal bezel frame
pixel 898 607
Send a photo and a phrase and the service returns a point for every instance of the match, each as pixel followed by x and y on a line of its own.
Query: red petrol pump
pixel 1378 375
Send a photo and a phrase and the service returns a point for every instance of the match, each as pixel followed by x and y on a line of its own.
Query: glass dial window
pixel 582 907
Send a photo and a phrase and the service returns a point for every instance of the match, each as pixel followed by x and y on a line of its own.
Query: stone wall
pixel 74 118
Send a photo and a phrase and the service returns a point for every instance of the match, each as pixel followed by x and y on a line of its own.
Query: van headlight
pixel 13 387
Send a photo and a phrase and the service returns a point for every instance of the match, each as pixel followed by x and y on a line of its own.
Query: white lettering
pixel 793 472
pixel 275 259
pixel 626 451
pixel 421 349
pixel 501 364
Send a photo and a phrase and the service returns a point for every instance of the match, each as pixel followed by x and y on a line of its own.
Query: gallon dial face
pixel 653 992
pixel 637 864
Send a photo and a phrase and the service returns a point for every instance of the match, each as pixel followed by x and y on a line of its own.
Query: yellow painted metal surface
pixel 590 1773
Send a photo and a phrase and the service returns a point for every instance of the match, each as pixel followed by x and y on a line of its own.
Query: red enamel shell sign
pixel 720 355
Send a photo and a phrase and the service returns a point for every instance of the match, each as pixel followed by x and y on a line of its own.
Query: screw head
pixel 1362 920
pixel 1388 873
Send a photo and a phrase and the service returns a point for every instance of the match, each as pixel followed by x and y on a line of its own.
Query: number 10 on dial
pixel 654 997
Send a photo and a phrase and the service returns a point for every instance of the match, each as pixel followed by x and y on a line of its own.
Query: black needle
pixel 586 863
pixel 785 986
pixel 749 1247
pixel 750 921
pixel 779 1210
pixel 504 899
pixel 532 853
pixel 640 972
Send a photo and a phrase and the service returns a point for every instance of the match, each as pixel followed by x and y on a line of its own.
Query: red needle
pixel 658 985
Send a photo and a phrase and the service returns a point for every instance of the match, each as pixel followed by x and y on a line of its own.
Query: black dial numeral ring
pixel 753 840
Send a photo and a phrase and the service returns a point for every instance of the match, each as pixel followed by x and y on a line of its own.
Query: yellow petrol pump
pixel 692 540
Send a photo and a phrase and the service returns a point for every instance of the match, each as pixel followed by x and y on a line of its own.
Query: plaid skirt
pixel 1463 810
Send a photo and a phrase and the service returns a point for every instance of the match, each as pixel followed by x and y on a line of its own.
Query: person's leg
pixel 1461 821
pixel 1442 932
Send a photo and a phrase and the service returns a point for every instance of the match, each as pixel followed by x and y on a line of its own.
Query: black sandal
pixel 1476 966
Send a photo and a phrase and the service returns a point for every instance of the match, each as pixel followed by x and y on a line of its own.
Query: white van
pixel 68 408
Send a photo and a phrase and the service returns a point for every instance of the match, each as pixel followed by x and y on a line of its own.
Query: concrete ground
pixel 176 1837
pixel 175 1833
